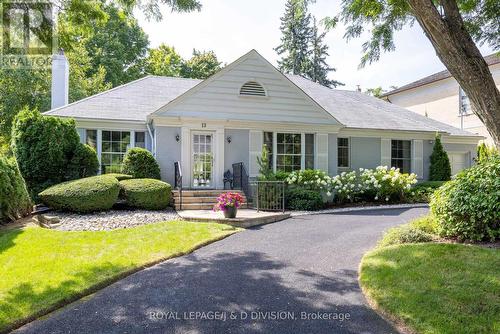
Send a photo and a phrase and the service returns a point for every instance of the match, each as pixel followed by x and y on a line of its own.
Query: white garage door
pixel 458 161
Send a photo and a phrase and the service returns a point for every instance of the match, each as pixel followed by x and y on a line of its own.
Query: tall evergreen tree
pixel 318 68
pixel 440 169
pixel 296 34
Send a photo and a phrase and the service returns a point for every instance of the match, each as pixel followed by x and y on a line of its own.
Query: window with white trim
pixel 401 155
pixel 140 139
pixel 91 138
pixel 309 151
pixel 252 88
pixel 343 152
pixel 289 152
pixel 114 146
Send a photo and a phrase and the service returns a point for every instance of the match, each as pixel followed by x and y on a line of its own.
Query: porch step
pixel 202 199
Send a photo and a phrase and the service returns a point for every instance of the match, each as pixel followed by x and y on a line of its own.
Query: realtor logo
pixel 27 33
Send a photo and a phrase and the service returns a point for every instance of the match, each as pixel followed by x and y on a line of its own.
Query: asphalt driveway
pixel 295 276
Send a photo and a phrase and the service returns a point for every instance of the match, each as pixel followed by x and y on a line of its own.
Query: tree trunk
pixel 458 52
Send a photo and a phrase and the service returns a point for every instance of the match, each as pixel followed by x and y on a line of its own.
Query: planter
pixel 230 212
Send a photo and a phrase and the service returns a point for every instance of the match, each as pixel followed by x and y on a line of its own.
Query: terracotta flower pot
pixel 230 212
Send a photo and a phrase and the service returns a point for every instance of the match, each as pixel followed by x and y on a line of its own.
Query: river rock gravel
pixel 110 220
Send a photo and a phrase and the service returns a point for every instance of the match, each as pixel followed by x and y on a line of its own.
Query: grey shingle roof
pixel 132 102
pixel 138 99
pixel 358 110
pixel 490 60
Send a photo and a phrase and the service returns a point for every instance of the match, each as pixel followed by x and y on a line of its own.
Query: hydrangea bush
pixel 379 184
pixel 311 179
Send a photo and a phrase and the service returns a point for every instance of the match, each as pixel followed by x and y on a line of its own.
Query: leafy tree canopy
pixel 164 60
pixel 201 65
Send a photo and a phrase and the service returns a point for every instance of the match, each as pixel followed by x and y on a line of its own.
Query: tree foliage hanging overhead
pixel 452 26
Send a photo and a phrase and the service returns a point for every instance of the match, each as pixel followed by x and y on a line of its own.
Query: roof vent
pixel 252 88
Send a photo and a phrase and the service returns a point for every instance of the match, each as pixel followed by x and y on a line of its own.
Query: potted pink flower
pixel 229 204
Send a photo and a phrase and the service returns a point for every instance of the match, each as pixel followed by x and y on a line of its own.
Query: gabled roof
pixel 359 110
pixel 139 99
pixel 133 101
pixel 490 60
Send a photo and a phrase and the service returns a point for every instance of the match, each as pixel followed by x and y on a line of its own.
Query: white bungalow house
pixel 209 125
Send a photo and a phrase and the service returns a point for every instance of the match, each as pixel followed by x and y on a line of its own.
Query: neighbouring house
pixel 209 125
pixel 440 97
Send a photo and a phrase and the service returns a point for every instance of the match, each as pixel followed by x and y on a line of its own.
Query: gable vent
pixel 252 88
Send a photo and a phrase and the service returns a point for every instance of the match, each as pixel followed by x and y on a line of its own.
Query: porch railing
pixel 268 195
pixel 240 178
pixel 178 181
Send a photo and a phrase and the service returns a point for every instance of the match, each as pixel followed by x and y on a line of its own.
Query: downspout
pixel 153 144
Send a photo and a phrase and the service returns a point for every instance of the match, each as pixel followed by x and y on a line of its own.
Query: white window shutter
pixel 255 145
pixel 322 151
pixel 417 161
pixel 385 152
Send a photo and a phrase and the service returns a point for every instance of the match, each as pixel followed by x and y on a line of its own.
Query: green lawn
pixel 436 288
pixel 41 269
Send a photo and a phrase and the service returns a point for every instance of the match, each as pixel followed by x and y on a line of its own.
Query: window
pixel 140 139
pixel 343 152
pixel 252 88
pixel 289 152
pixel 268 141
pixel 401 155
pixel 114 146
pixel 464 103
pixel 91 138
pixel 309 152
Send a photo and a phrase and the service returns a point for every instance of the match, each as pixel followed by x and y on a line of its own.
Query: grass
pixel 42 269
pixel 435 287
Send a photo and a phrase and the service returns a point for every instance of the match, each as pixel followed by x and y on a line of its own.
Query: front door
pixel 203 160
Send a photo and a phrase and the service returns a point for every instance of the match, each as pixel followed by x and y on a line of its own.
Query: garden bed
pixel 111 220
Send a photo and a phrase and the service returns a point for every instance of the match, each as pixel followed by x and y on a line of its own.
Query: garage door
pixel 458 161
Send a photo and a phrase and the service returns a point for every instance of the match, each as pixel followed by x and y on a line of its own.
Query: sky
pixel 233 27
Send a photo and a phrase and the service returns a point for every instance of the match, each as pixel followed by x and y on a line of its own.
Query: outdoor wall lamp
pixel 177 137
pixel 228 139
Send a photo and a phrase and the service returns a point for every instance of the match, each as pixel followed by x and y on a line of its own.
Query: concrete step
pixel 204 193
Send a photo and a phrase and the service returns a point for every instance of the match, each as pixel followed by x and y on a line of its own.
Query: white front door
pixel 202 160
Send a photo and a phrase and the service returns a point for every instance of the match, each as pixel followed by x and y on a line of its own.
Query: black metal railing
pixel 241 179
pixel 268 195
pixel 178 181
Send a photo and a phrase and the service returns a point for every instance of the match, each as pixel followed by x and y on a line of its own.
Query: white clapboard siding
pixel 220 98
pixel 322 151
pixel 385 152
pixel 255 144
pixel 417 161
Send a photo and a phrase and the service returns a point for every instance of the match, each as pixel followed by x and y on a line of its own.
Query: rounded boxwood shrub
pixel 120 177
pixel 85 195
pixel 304 199
pixel 84 163
pixel 468 207
pixel 148 194
pixel 14 198
pixel 404 234
pixel 141 164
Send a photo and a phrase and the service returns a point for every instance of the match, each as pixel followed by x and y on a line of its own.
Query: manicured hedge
pixel 14 198
pixel 148 194
pixel 85 195
pixel 141 164
pixel 468 207
pixel 48 151
pixel 120 177
pixel 303 199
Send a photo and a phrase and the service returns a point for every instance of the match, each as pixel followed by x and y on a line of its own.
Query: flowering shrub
pixel 311 179
pixel 386 183
pixel 226 200
pixel 346 186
